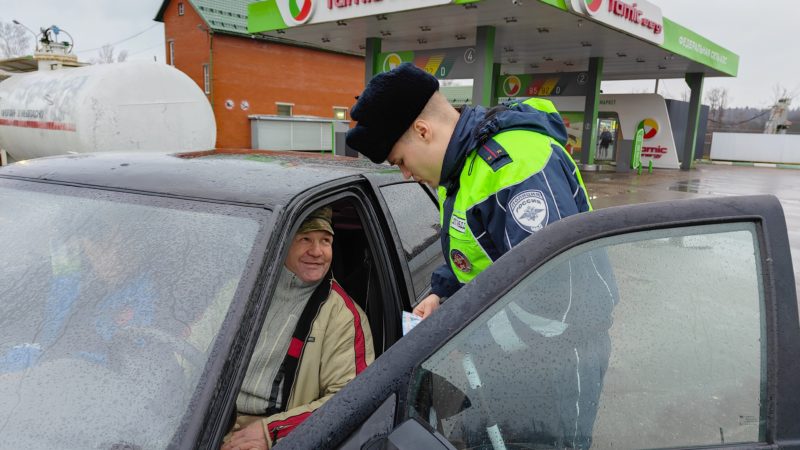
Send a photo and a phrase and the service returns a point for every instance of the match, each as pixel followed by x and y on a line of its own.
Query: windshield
pixel 109 307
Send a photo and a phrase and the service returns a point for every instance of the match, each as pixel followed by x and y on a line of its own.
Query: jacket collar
pixel 461 143
pixel 477 124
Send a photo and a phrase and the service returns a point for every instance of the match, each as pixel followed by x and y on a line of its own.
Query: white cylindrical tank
pixel 108 107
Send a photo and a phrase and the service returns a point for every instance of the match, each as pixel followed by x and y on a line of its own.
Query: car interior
pixel 355 266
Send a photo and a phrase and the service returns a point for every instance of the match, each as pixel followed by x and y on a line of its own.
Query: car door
pixel 368 262
pixel 412 212
pixel 670 324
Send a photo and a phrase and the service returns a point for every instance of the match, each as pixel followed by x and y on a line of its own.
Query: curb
pixel 751 164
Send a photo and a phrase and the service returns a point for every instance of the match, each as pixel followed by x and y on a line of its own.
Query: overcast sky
pixel 760 32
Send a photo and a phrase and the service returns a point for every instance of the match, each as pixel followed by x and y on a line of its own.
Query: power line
pixel 160 44
pixel 122 40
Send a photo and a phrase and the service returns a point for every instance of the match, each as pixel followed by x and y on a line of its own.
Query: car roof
pixel 247 176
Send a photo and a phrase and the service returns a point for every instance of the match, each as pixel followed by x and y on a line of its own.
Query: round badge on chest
pixel 460 260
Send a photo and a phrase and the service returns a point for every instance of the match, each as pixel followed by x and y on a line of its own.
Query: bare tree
pixel 14 40
pixel 717 99
pixel 106 55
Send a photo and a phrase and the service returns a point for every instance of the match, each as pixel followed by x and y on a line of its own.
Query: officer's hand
pixel 427 306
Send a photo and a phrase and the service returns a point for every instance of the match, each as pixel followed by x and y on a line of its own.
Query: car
pixel 198 239
pixel 700 310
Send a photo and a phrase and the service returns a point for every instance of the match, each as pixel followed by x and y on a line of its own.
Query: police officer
pixel 501 174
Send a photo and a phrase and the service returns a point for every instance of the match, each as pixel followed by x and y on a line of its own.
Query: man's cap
pixel 387 108
pixel 318 220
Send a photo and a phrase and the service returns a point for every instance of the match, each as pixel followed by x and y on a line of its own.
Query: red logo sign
pixel 637 12
pixel 650 128
pixel 654 152
pixel 592 6
pixel 346 3
pixel 301 10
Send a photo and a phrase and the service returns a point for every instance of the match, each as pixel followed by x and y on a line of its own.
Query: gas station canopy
pixel 516 48
pixel 530 36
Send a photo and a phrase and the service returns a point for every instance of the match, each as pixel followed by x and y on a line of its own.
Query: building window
pixel 206 79
pixel 180 8
pixel 339 113
pixel 172 53
pixel 285 109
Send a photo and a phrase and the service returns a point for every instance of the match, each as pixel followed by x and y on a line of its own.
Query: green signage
pixel 542 85
pixel 636 154
pixel 685 42
pixel 560 4
pixel 446 63
pixel 574 123
pixel 271 15
pixel 264 16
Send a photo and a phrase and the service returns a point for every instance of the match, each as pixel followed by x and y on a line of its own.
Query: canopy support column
pixel 371 53
pixel 495 76
pixel 695 82
pixel 483 84
pixel 589 136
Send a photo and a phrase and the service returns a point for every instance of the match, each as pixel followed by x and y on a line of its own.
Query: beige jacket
pixel 338 348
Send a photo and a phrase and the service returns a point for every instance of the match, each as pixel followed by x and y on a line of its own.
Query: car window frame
pixel 287 219
pixel 381 180
pixel 427 190
pixel 391 374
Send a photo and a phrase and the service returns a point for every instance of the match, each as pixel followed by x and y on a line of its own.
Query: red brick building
pixel 243 75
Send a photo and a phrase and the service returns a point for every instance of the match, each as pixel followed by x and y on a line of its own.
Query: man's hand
pixel 427 306
pixel 250 437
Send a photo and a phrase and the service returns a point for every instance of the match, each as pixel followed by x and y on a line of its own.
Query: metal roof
pixel 30 63
pixel 532 36
pixel 19 64
pixel 261 178
pixel 226 16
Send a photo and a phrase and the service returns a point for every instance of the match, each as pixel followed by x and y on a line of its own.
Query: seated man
pixel 315 339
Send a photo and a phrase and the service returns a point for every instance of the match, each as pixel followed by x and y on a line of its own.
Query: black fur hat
pixel 387 107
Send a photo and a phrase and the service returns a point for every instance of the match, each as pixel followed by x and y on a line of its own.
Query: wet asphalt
pixel 706 180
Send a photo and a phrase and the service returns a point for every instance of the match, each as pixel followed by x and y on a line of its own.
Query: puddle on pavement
pixel 692 186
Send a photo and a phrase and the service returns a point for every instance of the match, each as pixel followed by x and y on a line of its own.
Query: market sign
pixel 446 63
pixel 270 15
pixel 543 85
pixel 637 17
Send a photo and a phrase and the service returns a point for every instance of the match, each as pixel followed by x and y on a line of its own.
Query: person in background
pixel 605 141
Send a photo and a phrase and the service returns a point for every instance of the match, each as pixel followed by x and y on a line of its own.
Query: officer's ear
pixel 422 130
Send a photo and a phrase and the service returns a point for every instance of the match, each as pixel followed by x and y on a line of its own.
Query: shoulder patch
pixel 529 209
pixel 494 154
